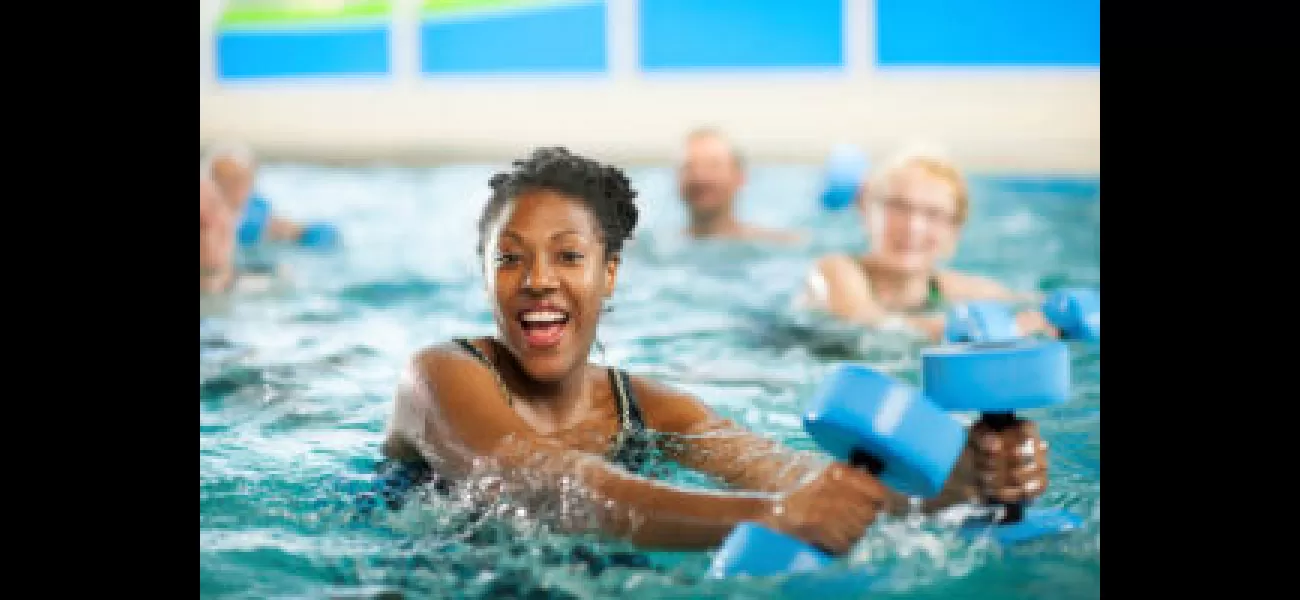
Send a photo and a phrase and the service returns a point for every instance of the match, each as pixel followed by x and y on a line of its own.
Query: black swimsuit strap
pixel 472 349
pixel 631 449
pixel 630 420
pixel 629 413
pixel 629 397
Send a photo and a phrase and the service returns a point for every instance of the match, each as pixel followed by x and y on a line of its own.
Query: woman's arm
pixel 215 280
pixel 1029 317
pixel 283 230
pixel 698 438
pixel 449 410
pixel 701 440
pixel 216 244
pixel 835 285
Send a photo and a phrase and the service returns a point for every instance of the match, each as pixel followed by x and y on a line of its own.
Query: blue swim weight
pixel 319 236
pixel 858 409
pixel 1076 312
pixel 845 172
pixel 257 215
pixel 996 377
pixel 980 321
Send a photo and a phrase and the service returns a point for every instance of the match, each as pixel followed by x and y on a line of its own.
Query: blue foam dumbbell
pixel 980 321
pixel 319 236
pixel 752 549
pixel 1076 312
pixel 845 171
pixel 996 379
pixel 872 422
pixel 256 217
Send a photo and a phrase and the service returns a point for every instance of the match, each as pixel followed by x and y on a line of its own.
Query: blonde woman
pixel 913 209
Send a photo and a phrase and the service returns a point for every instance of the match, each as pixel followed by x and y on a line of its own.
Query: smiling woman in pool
pixel 913 210
pixel 529 402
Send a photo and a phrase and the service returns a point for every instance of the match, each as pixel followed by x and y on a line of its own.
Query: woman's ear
pixel 949 249
pixel 860 198
pixel 611 274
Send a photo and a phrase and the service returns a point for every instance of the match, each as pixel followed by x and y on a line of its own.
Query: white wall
pixel 1006 120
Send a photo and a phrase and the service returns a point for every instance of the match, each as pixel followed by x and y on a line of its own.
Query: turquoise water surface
pixel 296 383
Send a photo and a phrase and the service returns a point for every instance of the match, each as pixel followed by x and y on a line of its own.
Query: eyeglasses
pixel 898 208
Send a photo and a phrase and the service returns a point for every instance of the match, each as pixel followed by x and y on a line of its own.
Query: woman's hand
pixel 1031 322
pixel 1005 465
pixel 832 511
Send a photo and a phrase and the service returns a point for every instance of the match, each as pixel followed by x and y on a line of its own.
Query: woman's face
pixel 912 220
pixel 547 274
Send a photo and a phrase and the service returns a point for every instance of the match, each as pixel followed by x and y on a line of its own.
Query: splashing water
pixel 296 384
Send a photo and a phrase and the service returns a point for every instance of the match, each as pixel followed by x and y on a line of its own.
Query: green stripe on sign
pixel 442 7
pixel 262 12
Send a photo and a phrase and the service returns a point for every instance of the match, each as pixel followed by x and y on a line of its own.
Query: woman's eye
pixel 507 258
pixel 571 256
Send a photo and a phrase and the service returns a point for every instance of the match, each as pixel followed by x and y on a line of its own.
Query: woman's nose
pixel 917 223
pixel 540 276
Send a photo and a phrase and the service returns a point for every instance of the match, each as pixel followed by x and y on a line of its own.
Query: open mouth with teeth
pixel 543 328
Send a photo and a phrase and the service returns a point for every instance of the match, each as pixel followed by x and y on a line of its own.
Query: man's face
pixel 709 176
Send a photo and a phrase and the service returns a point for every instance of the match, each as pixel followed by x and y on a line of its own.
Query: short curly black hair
pixel 604 189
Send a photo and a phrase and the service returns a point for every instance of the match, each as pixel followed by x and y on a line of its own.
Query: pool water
pixel 296 384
